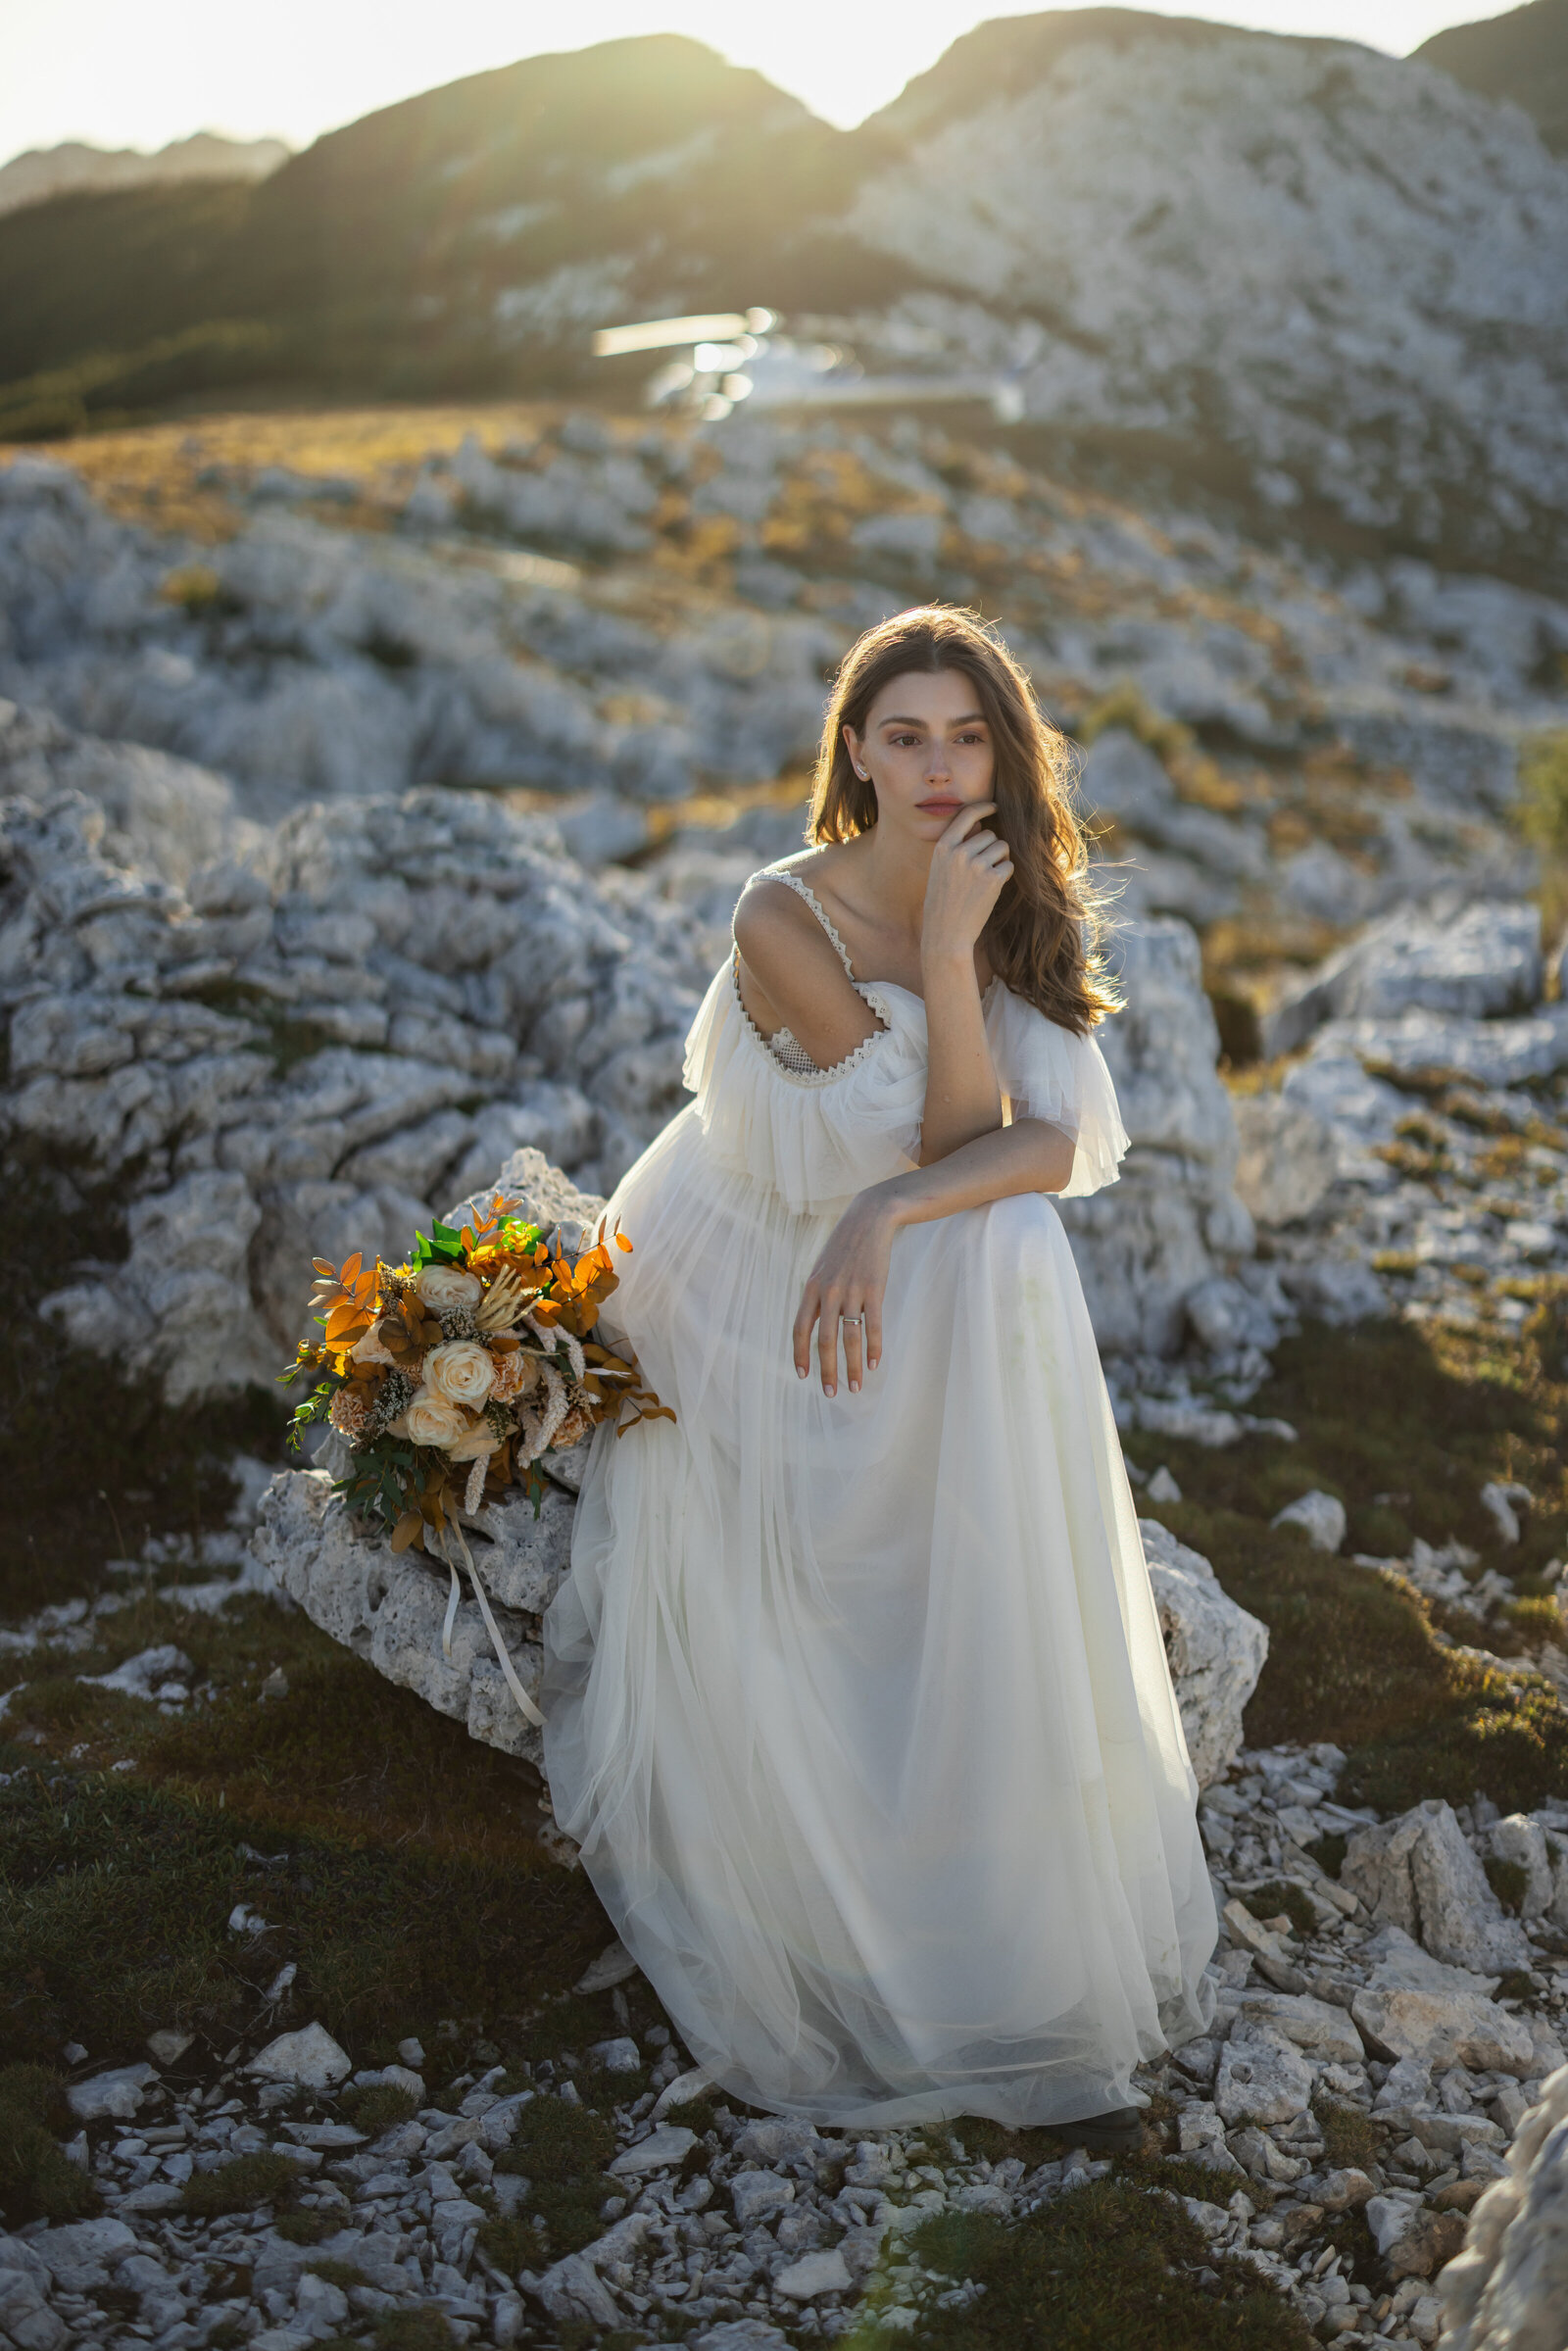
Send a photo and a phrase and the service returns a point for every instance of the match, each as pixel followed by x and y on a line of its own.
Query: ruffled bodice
pixel 819 1135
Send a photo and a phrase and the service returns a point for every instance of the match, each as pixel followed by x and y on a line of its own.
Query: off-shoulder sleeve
pixel 1051 1073
pixel 817 1137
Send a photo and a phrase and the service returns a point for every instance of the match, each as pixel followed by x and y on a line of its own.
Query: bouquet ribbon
pixel 529 1710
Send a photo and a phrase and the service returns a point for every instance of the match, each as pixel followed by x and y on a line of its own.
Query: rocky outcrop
pixel 1419 1874
pixel 1208 193
pixel 1507 2290
pixel 324 1035
pixel 1470 961
pixel 313 1051
pixel 1217 1650
pixel 1173 1220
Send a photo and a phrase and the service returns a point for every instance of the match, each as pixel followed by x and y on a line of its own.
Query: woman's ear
pixel 851 744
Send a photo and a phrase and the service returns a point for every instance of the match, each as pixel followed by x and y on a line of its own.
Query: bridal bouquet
pixel 451 1376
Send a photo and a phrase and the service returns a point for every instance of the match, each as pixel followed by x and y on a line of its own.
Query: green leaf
pixel 446 1241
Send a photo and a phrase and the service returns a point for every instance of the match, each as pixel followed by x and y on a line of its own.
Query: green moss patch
pixel 1349 2136
pixel 380 2107
pixel 1106 2266
pixel 38 2179
pixel 249 2181
pixel 1405 1426
pixel 138 1467
pixel 561 2150
pixel 115 1901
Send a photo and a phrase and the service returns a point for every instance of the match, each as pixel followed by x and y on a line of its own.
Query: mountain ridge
pixel 1321 283
pixel 39 174
pixel 1522 56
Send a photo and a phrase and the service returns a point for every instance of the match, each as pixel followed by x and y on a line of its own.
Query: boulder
pixel 1508 2286
pixel 1418 1873
pixel 1519 1840
pixel 1320 1517
pixel 389 1609
pixel 311 2057
pixel 1412 2006
pixel 118 2094
pixel 1476 962
pixel 1261 2082
pixel 1174 1219
pixel 1217 1650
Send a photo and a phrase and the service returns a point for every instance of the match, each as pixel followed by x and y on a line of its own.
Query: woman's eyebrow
pixel 967 719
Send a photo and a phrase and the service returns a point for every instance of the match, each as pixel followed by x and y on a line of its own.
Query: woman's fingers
pixel 827 1343
pixel 873 1331
pixel 853 1346
pixel 810 1306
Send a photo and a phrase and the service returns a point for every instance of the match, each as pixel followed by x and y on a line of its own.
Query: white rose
pixel 431 1419
pixel 443 1287
pixel 463 1371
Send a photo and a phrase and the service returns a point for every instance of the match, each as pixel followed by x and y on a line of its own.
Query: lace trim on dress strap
pixel 776 873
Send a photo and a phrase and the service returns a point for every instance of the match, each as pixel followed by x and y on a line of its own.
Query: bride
pixel 856 1696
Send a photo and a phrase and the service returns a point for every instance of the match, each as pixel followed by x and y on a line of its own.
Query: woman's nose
pixel 938 765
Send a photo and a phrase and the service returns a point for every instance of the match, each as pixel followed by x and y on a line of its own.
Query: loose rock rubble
pixel 1341 2035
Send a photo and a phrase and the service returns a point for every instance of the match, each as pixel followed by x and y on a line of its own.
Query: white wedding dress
pixel 857 1705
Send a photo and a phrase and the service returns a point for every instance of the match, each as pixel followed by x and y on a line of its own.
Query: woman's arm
pixel 850 1277
pixel 962 1099
pixel 791 978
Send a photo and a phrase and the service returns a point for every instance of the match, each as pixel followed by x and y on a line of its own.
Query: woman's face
pixel 927 749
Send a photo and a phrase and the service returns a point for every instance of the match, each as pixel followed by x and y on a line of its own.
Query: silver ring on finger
pixel 847 1319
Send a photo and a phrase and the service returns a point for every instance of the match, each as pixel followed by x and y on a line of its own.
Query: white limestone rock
pixel 1287 1159
pixel 1489 1053
pixel 1507 2290
pixel 1412 2006
pixel 1418 1873
pixel 311 2057
pixel 1471 962
pixel 1174 1219
pixel 1320 1516
pixel 1522 1841
pixel 388 1609
pixel 1261 2082
pixel 1217 1650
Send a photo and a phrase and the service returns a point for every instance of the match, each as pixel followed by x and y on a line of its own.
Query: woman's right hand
pixel 969 864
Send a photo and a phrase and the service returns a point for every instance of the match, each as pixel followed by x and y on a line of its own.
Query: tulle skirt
pixel 858 1705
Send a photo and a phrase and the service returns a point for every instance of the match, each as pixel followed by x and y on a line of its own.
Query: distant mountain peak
pixel 76 168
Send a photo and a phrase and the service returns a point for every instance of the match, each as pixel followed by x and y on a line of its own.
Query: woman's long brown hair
pixel 1043 936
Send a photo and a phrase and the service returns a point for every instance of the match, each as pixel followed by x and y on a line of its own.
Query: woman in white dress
pixel 856 1696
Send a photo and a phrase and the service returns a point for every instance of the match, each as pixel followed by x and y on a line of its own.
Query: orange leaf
pixel 622 1242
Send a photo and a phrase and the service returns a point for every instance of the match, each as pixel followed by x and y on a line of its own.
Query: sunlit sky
pixel 139 73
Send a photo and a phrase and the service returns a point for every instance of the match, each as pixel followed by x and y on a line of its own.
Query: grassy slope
pixel 1405 1426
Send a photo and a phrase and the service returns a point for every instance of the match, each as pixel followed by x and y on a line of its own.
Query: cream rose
pixel 370 1349
pixel 433 1419
pixel 463 1371
pixel 444 1288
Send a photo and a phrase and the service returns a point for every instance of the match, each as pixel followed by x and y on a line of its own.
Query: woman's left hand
pixel 848 1278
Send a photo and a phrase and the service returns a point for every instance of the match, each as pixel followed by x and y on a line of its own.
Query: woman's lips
pixel 935 805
